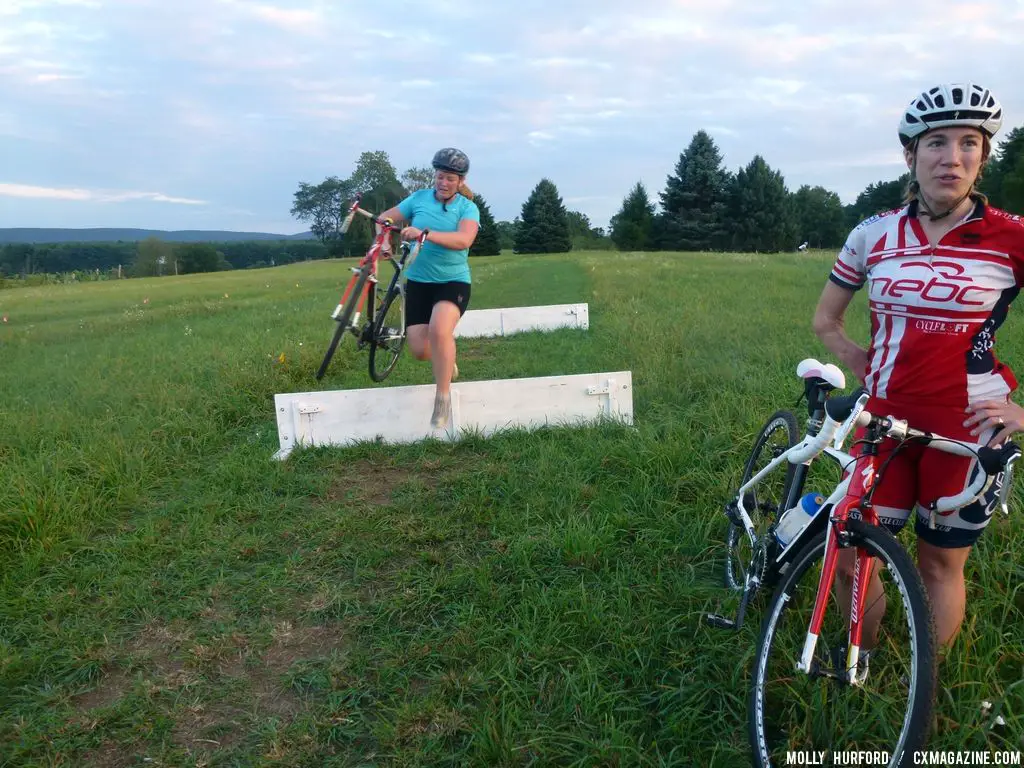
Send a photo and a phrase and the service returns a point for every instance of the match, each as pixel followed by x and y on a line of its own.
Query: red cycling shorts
pixel 917 475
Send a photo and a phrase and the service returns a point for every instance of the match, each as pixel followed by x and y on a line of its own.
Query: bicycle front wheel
pixel 344 319
pixel 388 335
pixel 887 711
pixel 767 497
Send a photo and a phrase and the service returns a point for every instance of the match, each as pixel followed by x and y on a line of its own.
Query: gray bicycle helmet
pixel 951 105
pixel 451 160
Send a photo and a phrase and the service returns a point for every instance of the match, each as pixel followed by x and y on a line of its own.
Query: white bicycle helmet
pixel 959 105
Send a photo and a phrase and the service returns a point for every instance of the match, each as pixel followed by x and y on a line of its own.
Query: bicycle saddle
pixel 811 368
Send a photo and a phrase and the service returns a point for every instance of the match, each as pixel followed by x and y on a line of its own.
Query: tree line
pixel 545 226
pixel 702 206
pixel 153 256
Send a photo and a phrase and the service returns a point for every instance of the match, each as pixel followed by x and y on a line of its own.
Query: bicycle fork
pixel 860 483
pixel 353 322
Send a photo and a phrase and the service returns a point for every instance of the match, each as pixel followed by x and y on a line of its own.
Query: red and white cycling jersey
pixel 935 310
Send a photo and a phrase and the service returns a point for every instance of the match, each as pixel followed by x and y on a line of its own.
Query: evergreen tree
pixel 876 198
pixel 632 225
pixel 761 210
pixel 1013 188
pixel 820 218
pixel 694 202
pixel 1003 180
pixel 544 226
pixel 487 242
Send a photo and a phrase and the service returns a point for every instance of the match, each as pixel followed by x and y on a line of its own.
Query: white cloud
pixel 569 63
pixel 89 195
pixel 236 100
pixel 18 7
pixel 489 59
pixel 300 20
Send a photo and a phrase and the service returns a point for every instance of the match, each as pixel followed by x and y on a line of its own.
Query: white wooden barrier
pixel 509 320
pixel 402 414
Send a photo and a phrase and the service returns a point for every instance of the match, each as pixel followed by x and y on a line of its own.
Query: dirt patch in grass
pixel 155 650
pixel 159 647
pixel 109 755
pixel 206 726
pixel 369 482
pixel 111 687
pixel 375 483
pixel 292 643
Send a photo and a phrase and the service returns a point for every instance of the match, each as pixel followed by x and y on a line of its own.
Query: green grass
pixel 169 592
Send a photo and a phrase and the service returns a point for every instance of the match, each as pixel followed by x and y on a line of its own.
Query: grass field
pixel 171 596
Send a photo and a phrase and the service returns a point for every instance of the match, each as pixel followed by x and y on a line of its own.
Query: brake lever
pixel 1004 492
pixel 850 424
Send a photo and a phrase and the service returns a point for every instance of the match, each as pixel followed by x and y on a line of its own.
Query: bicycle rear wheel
pixel 768 496
pixel 889 711
pixel 388 334
pixel 344 319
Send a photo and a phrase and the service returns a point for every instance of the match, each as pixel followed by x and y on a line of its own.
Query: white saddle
pixel 812 368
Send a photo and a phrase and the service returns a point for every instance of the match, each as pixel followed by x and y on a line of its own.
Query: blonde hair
pixel 910 193
pixel 465 191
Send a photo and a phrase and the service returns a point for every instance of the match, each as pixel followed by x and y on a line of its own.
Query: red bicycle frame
pixel 861 482
pixel 376 251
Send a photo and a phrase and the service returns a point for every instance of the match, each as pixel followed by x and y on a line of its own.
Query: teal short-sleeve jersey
pixel 435 263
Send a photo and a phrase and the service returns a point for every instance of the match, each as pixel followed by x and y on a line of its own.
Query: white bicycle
pixel 810 683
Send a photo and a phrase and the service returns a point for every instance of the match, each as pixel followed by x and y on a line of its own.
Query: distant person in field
pixel 802 246
pixel 438 281
pixel 941 272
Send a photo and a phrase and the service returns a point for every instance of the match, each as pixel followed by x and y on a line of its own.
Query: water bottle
pixel 794 520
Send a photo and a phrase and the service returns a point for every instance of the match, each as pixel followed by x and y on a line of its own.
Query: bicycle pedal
pixel 721 622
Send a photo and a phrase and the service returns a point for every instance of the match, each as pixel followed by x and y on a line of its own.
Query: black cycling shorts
pixel 420 299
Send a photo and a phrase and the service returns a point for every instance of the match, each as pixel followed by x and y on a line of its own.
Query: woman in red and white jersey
pixel 941 273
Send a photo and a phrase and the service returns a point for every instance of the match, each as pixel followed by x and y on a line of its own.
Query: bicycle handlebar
pixel 372 216
pixel 845 413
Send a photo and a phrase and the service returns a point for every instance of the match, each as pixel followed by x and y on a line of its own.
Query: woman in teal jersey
pixel 438 281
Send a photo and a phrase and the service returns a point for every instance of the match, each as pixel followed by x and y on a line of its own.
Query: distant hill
pixel 96 235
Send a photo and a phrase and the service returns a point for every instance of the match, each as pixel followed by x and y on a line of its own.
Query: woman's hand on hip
pixel 1004 416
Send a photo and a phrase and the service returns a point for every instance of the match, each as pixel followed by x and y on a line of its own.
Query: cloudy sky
pixel 206 114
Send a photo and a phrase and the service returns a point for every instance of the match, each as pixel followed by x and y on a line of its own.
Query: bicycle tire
pixel 378 374
pixel 920 686
pixel 344 319
pixel 736 533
